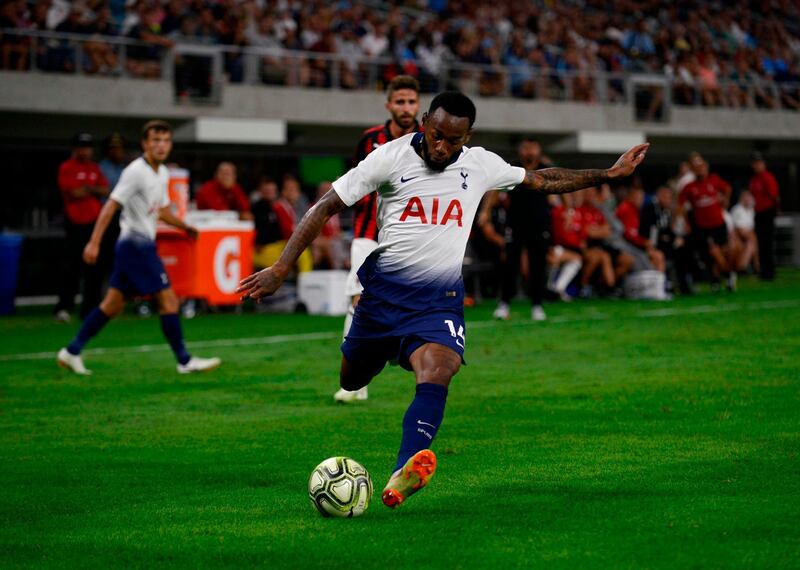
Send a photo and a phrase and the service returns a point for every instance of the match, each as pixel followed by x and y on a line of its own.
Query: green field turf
pixel 616 435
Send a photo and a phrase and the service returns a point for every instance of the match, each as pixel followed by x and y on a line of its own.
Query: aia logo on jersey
pixel 416 209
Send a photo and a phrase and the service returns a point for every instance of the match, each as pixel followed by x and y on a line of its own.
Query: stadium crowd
pixel 738 53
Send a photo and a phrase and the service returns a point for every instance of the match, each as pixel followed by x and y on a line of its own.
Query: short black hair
pixel 156 126
pixel 455 103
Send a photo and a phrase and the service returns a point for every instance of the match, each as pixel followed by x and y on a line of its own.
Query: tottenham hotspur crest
pixel 464 183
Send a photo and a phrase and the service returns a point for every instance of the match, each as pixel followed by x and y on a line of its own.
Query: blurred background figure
pixel 224 193
pixel 657 226
pixel 743 220
pixel 766 195
pixel 328 249
pixel 271 229
pixel 529 233
pixel 82 186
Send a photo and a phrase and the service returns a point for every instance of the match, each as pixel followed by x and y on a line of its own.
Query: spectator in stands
pixel 743 222
pixel 145 60
pixel 328 250
pixel 657 227
pixel 766 195
pixel 14 49
pixel 628 213
pixel 223 193
pixel 707 196
pixel 82 186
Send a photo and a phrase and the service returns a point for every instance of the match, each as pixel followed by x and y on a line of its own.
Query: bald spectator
pixel 224 193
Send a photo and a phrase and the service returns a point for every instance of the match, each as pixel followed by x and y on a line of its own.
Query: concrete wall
pixel 128 98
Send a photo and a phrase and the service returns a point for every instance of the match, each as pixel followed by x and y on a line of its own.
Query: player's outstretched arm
pixel 265 282
pixel 92 248
pixel 564 180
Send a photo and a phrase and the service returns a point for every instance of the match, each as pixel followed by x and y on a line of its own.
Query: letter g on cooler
pixel 227 264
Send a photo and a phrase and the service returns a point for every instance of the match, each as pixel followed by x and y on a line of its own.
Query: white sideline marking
pixel 285 338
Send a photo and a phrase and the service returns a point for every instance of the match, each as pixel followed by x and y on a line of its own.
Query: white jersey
pixel 424 216
pixel 141 192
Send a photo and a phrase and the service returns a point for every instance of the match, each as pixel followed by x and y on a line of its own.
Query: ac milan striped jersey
pixel 365 215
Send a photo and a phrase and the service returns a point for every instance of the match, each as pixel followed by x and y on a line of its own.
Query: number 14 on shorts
pixel 456 334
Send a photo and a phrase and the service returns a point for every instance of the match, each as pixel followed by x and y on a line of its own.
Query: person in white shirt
pixel 743 215
pixel 429 186
pixel 142 194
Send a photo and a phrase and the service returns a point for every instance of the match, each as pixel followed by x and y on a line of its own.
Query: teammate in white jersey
pixel 142 194
pixel 430 186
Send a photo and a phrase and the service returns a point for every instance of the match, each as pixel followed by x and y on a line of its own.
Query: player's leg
pixel 359 251
pixel 434 366
pixel 509 273
pixel 537 263
pixel 168 306
pixel 112 305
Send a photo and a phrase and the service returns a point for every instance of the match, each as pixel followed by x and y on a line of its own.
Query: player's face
pixel 157 145
pixel 403 105
pixel 445 134
pixel 664 197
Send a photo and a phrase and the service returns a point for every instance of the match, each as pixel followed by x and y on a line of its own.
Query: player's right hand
pixel 90 253
pixel 260 284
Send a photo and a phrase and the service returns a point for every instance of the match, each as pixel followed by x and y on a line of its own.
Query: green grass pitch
pixel 616 435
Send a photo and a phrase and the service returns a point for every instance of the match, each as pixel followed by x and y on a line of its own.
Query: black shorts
pixel 712 236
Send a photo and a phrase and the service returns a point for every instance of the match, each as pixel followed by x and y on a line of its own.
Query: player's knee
pixel 112 307
pixel 168 302
pixel 440 373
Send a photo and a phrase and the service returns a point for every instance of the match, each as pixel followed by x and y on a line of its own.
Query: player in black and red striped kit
pixel 402 102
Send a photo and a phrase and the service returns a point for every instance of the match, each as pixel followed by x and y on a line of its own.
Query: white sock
pixel 567 274
pixel 348 320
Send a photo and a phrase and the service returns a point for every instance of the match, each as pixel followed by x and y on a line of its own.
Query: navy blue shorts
pixel 137 268
pixel 383 332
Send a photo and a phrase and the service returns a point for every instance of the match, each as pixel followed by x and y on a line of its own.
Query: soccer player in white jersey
pixel 142 194
pixel 430 186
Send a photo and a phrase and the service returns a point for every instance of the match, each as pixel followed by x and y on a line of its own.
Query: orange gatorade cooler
pixel 210 267
pixel 178 191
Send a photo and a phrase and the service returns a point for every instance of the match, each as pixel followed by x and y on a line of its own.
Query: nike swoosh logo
pixel 426 424
pixel 404 180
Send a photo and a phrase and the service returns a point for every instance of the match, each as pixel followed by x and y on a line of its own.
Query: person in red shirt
pixel 628 213
pixel 82 186
pixel 707 196
pixel 764 189
pixel 224 193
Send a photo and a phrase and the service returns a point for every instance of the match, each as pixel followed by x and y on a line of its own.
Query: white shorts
pixel 359 252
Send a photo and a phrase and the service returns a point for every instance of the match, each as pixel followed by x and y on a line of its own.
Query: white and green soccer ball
pixel 340 487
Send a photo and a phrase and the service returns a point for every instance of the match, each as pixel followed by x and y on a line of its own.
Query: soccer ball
pixel 340 487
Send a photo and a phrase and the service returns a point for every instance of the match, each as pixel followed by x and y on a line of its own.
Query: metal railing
pixel 200 72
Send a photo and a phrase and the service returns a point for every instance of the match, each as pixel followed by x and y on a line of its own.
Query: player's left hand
pixel 191 231
pixel 628 162
pixel 260 284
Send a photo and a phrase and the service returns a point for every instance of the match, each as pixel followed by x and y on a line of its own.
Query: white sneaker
pixel 538 314
pixel 62 316
pixel 501 312
pixel 72 362
pixel 346 396
pixel 197 364
pixel 732 281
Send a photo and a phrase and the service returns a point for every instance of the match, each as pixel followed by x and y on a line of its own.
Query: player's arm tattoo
pixel 564 180
pixel 310 227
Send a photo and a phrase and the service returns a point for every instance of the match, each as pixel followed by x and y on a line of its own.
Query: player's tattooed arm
pixel 265 282
pixel 563 180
